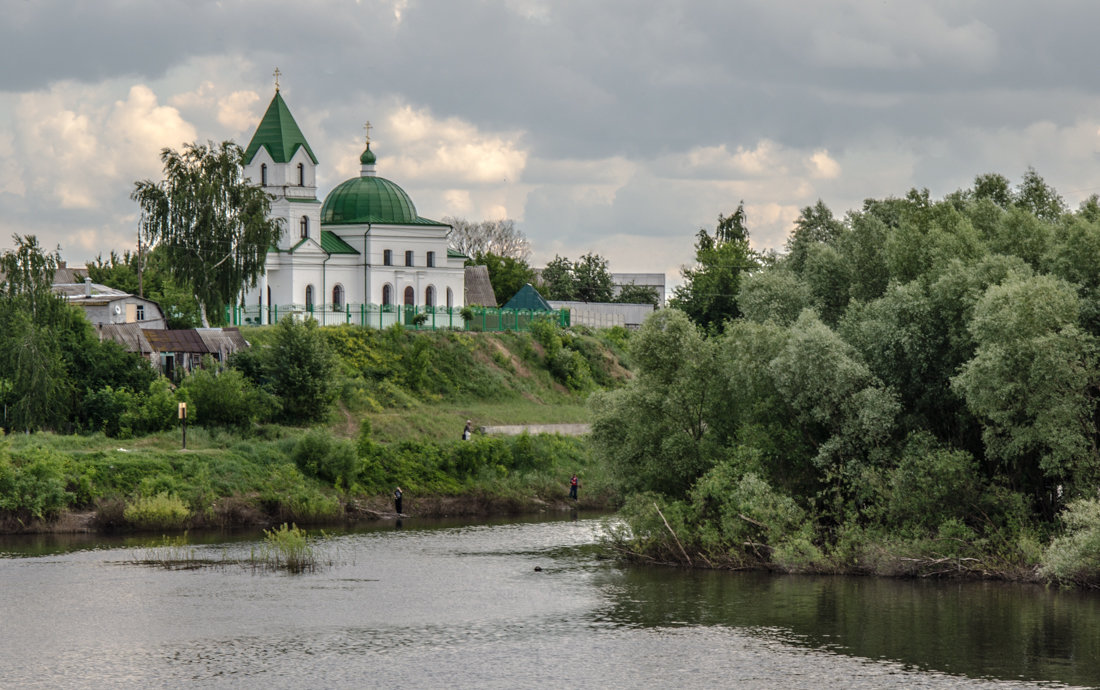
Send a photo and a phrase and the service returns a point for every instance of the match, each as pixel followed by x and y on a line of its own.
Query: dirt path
pixel 517 429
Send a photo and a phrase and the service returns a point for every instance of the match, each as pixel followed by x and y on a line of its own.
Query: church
pixel 363 249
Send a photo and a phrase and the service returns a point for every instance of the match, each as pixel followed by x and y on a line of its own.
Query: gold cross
pixel 367 127
pixel 276 74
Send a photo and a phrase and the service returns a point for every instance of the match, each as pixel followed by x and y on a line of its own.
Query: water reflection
pixel 980 629
pixel 458 604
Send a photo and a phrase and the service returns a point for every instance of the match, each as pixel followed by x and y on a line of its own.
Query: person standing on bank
pixel 397 500
pixel 573 484
pixel 467 433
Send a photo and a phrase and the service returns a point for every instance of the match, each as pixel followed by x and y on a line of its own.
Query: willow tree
pixel 211 223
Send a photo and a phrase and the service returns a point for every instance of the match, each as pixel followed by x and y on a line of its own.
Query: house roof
pixel 128 335
pixel 222 340
pixel 479 290
pixel 334 244
pixel 528 298
pixel 184 340
pixel 279 134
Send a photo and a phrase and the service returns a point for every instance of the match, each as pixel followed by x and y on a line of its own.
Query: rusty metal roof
pixel 183 340
pixel 128 335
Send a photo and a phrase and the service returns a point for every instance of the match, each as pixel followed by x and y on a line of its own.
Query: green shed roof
pixel 333 244
pixel 528 298
pixel 279 134
pixel 370 199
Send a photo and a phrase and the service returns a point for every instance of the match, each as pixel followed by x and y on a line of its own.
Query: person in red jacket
pixel 573 484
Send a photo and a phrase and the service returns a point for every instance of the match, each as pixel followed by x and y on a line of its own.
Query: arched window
pixel 429 296
pixel 337 297
pixel 263 174
pixel 301 175
pixel 450 298
pixel 410 296
pixel 387 295
pixel 303 227
pixel 309 298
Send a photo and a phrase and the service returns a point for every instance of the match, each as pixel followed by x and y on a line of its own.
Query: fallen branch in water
pixel 686 557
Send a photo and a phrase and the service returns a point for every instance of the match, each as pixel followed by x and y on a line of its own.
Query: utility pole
pixel 141 258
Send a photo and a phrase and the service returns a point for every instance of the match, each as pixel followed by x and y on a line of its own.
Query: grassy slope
pixel 415 389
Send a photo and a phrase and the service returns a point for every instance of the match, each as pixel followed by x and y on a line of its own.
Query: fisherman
pixel 573 484
pixel 397 500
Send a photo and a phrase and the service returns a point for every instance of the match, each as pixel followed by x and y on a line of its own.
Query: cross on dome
pixel 276 74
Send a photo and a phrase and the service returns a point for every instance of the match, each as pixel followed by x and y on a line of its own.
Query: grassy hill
pixel 402 399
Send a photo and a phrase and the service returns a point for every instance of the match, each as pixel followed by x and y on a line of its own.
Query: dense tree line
pixel 919 378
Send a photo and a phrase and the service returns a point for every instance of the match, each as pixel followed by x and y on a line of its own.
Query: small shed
pixel 528 298
pixel 180 351
pixel 222 342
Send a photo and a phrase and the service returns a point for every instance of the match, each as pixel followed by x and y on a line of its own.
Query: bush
pixel 34 489
pixel 318 455
pixel 155 410
pixel 162 511
pixel 223 398
pixel 1075 556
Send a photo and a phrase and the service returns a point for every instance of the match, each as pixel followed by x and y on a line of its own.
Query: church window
pixel 309 298
pixel 410 296
pixel 387 257
pixel 304 227
pixel 431 260
pixel 450 298
pixel 263 174
pixel 387 295
pixel 301 175
pixel 409 258
pixel 337 297
pixel 429 296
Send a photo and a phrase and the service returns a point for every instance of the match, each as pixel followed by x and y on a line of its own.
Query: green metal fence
pixel 385 315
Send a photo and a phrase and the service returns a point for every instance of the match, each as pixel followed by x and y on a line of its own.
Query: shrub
pixel 155 410
pixel 1075 556
pixel 318 455
pixel 223 398
pixel 289 547
pixel 162 511
pixel 35 488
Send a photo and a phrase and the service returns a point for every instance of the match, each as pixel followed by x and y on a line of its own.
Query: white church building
pixel 363 255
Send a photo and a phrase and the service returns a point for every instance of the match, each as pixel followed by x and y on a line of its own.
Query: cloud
pixel 450 149
pixel 79 150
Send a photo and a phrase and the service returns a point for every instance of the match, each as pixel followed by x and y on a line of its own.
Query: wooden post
pixel 183 422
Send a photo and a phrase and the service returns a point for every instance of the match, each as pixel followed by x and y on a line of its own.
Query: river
pixel 438 604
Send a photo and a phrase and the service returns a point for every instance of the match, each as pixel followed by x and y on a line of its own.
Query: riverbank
pixel 51 483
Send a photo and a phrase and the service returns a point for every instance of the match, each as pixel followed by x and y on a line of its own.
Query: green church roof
pixel 333 244
pixel 528 298
pixel 279 134
pixel 370 199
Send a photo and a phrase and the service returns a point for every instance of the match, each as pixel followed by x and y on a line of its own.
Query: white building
pixel 365 245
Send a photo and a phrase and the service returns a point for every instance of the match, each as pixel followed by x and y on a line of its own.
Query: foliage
pixel 709 292
pixel 632 293
pixel 300 367
pixel 223 397
pixel 318 455
pixel 210 223
pixel 289 547
pixel 556 281
pixel 918 380
pixel 160 512
pixel 1074 557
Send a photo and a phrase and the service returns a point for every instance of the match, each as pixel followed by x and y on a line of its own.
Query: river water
pixel 448 605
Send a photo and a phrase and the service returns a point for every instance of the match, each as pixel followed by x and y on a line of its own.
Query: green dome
pixel 370 200
pixel 368 156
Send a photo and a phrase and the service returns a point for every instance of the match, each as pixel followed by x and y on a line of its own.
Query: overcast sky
pixel 616 127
